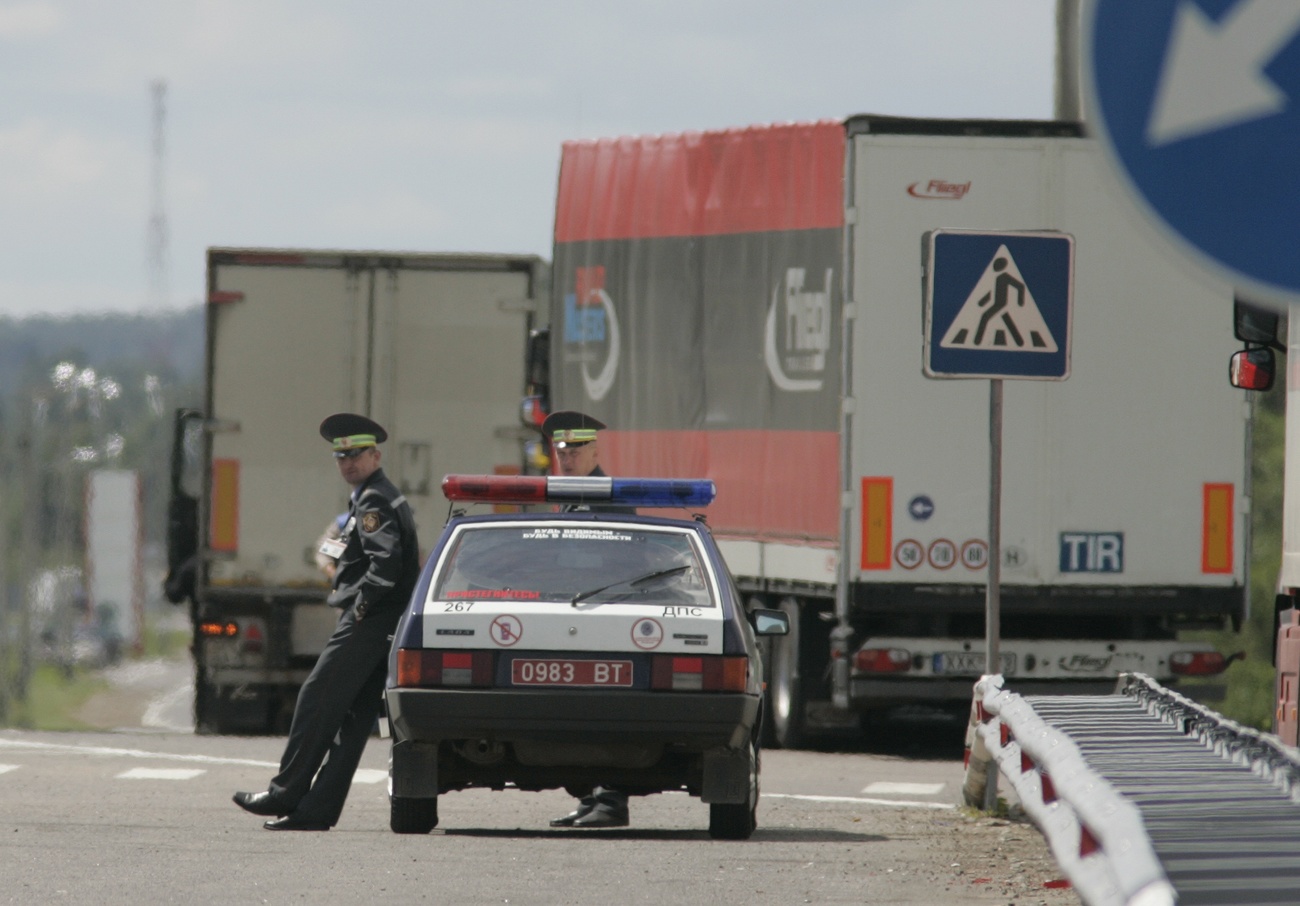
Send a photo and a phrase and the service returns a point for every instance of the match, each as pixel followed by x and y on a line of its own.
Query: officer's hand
pixel 360 610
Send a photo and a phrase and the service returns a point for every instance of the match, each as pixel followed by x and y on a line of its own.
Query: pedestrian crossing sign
pixel 998 305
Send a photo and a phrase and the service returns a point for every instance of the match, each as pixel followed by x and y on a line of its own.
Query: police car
pixel 559 649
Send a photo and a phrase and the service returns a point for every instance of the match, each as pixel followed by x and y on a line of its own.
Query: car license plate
pixel 969 663
pixel 569 672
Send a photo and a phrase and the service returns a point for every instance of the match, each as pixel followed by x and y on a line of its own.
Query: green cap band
pixel 353 441
pixel 574 436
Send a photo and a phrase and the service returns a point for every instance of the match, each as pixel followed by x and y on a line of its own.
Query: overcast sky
pixel 421 126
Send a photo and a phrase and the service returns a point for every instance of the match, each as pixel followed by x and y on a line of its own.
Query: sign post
pixel 1198 111
pixel 997 306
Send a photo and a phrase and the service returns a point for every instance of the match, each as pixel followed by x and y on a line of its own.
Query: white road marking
pixel 130 753
pixel 155 715
pixel 373 776
pixel 885 788
pixel 6 768
pixel 898 803
pixel 161 774
pixel 369 775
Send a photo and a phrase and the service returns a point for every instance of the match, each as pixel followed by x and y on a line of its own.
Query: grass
pixel 53 699
pixel 165 643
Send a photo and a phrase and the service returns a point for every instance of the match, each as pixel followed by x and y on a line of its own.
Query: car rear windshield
pixel 554 562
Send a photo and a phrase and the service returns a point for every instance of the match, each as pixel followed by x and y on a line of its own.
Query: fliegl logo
pixel 939 189
pixel 590 322
pixel 798 332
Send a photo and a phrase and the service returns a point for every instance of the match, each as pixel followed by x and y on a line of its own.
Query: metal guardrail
pixel 1096 836
pixel 1263 753
pixel 1145 797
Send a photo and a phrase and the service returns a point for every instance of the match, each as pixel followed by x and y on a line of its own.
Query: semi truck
pixel 747 305
pixel 429 345
pixel 1267 328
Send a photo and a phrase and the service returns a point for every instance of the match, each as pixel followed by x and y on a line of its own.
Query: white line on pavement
pixel 899 803
pixel 161 774
pixel 18 744
pixel 887 788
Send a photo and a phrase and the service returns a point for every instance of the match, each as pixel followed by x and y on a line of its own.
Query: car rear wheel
pixel 737 821
pixel 413 816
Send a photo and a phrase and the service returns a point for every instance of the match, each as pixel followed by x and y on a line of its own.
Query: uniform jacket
pixel 381 561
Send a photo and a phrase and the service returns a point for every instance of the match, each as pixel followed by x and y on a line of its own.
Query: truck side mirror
pixel 1252 369
pixel 1253 323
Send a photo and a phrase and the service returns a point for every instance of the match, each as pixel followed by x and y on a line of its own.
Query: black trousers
pixel 334 717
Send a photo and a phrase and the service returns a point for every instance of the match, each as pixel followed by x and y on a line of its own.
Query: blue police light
pixel 633 492
pixel 687 492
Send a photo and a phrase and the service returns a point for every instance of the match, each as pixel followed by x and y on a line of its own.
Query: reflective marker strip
pixel 877 522
pixel 1216 528
pixel 225 505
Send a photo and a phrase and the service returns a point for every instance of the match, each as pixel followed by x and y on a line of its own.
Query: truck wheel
pixel 210 717
pixel 413 816
pixel 737 820
pixel 786 693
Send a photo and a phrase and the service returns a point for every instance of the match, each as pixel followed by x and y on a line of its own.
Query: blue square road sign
pixel 998 305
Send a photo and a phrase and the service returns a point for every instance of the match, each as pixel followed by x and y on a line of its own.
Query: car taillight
pixel 1197 663
pixel 699 674
pixel 422 667
pixel 882 660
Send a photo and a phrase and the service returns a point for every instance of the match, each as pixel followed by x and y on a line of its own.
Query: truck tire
pixel 785 693
pixel 204 705
pixel 737 821
pixel 412 816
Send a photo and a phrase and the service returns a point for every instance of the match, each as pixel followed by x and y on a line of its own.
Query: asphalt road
pixel 143 815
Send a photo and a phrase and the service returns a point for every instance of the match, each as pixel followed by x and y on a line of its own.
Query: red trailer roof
pixel 752 179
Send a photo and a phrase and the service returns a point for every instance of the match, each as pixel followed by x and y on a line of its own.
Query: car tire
pixel 786 697
pixel 413 816
pixel 737 821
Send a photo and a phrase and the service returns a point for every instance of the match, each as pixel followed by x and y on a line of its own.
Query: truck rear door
pixel 431 346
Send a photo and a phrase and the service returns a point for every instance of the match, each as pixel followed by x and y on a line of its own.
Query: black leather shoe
pixel 603 816
pixel 261 804
pixel 289 822
pixel 585 806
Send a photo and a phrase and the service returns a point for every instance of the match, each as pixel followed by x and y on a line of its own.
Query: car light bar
pixel 633 492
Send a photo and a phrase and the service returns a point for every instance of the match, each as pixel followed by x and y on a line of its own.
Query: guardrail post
pixel 980 789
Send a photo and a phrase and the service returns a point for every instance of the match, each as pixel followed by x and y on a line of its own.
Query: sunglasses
pixel 350 454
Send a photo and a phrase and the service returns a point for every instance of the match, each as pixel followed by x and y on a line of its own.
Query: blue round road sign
pixel 1199 103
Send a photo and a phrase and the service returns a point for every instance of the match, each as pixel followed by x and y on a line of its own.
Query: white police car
pixel 548 650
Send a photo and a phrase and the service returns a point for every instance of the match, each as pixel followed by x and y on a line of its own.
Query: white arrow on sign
pixel 1213 74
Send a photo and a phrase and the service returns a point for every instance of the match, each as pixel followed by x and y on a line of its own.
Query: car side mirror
pixel 1252 369
pixel 770 622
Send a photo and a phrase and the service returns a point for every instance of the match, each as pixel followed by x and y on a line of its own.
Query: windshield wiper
pixel 639 580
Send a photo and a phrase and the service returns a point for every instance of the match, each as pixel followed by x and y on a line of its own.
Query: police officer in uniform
pixel 574 442
pixel 378 565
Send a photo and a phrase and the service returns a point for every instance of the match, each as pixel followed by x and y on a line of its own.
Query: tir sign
pixel 1092 552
